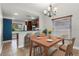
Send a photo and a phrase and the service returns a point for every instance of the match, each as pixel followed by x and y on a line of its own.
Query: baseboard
pixel 7 41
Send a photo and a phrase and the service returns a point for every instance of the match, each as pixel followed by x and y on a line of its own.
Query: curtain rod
pixel 62 17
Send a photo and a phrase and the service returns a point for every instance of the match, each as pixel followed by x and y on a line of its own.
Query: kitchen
pixel 21 28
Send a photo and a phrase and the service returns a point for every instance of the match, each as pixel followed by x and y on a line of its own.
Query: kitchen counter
pixel 22 31
pixel 21 35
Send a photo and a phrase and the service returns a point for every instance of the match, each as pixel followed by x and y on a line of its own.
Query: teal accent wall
pixel 7 29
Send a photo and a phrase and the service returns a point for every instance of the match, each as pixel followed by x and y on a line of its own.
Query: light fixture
pixel 32 17
pixel 51 11
pixel 15 13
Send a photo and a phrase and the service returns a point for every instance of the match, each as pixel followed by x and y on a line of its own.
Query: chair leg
pixel 40 50
pixel 71 54
pixel 37 51
pixel 34 52
pixel 63 42
pixel 67 54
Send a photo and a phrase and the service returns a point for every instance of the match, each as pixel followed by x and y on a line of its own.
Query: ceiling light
pixel 45 11
pixel 26 20
pixel 55 9
pixel 51 11
pixel 15 14
pixel 32 17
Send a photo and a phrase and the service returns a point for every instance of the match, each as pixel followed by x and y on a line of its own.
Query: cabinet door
pixel 29 26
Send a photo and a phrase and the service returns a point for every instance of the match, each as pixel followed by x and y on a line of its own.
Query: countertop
pixel 22 31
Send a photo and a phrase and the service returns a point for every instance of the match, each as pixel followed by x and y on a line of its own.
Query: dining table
pixel 45 42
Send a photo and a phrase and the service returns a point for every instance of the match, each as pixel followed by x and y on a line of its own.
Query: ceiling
pixel 26 11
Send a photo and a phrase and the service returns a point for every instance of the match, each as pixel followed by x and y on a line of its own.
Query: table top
pixel 43 41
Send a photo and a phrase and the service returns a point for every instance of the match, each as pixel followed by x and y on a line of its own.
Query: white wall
pixel 64 10
pixel 0 29
pixel 41 22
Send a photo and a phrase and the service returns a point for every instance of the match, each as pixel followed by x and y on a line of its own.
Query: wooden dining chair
pixel 36 47
pixel 69 48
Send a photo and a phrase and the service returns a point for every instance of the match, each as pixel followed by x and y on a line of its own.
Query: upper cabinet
pixel 32 25
pixel 35 23
pixel 29 25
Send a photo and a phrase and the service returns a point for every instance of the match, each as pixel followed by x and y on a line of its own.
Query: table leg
pixel 30 48
pixel 17 38
pixel 46 51
pixel 62 41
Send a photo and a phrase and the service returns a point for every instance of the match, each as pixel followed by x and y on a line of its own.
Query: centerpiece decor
pixel 49 33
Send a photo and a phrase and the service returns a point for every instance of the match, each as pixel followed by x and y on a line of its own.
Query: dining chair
pixel 42 35
pixel 27 40
pixel 69 48
pixel 37 50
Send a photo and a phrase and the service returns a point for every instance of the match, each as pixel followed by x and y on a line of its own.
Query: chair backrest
pixel 32 36
pixel 73 40
pixel 27 35
pixel 69 49
pixel 42 35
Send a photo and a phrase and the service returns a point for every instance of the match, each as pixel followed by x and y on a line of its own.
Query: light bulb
pixel 55 9
pixel 15 14
pixel 49 8
pixel 45 11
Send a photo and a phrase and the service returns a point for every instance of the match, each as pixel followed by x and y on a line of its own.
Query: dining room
pixel 40 29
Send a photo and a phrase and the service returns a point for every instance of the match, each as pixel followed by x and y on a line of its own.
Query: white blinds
pixel 63 26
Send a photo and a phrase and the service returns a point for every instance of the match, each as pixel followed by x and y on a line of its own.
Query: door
pixel 7 29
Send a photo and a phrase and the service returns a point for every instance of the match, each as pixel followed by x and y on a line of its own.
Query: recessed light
pixel 15 14
pixel 32 17
pixel 26 20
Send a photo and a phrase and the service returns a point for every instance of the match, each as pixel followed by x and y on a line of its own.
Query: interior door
pixel 7 29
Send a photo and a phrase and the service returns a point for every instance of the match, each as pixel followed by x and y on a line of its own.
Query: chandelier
pixel 51 11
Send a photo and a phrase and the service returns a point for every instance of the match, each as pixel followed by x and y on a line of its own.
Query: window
pixel 62 25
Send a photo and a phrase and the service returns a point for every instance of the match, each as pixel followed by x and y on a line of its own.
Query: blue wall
pixel 7 29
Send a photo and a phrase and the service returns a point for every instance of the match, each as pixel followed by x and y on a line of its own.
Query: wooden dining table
pixel 43 41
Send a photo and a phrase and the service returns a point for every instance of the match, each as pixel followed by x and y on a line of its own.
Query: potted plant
pixel 44 31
